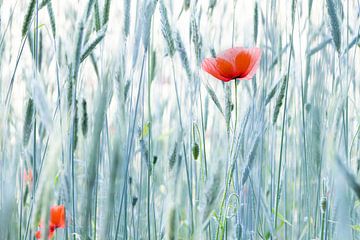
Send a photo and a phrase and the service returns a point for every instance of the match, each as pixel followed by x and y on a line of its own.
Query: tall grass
pixel 105 105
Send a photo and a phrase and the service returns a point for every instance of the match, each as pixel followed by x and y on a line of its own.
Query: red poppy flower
pixel 57 216
pixel 57 220
pixel 233 63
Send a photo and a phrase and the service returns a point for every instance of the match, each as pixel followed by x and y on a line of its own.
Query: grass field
pixel 111 128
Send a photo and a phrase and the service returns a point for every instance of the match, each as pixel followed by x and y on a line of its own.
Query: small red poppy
pixel 57 216
pixel 57 220
pixel 238 62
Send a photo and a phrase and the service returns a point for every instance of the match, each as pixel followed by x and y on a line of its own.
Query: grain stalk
pixel 278 189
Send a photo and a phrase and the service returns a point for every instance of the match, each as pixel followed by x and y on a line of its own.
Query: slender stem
pixel 96 201
pixel 236 115
pixel 21 199
pixel 154 213
pixel 184 148
pixel 130 146
pixel 323 217
pixel 304 139
pixel 9 91
pixel 139 203
pixel 71 158
pixel 278 190
pixel 150 132
pixel 203 134
pixel 228 181
pixel 34 157
pixel 148 204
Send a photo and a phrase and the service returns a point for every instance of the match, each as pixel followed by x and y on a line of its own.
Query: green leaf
pixel 282 218
pixel 356 227
pixel 56 179
pixel 145 131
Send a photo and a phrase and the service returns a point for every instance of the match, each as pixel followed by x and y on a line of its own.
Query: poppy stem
pixel 228 182
pixel 233 25
pixel 236 115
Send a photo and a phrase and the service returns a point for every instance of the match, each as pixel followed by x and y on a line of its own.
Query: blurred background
pixel 138 142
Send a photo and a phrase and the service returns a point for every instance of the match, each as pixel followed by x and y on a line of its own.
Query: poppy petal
pixel 255 54
pixel 226 68
pixel 242 62
pixel 57 216
pixel 209 65
pixel 230 54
